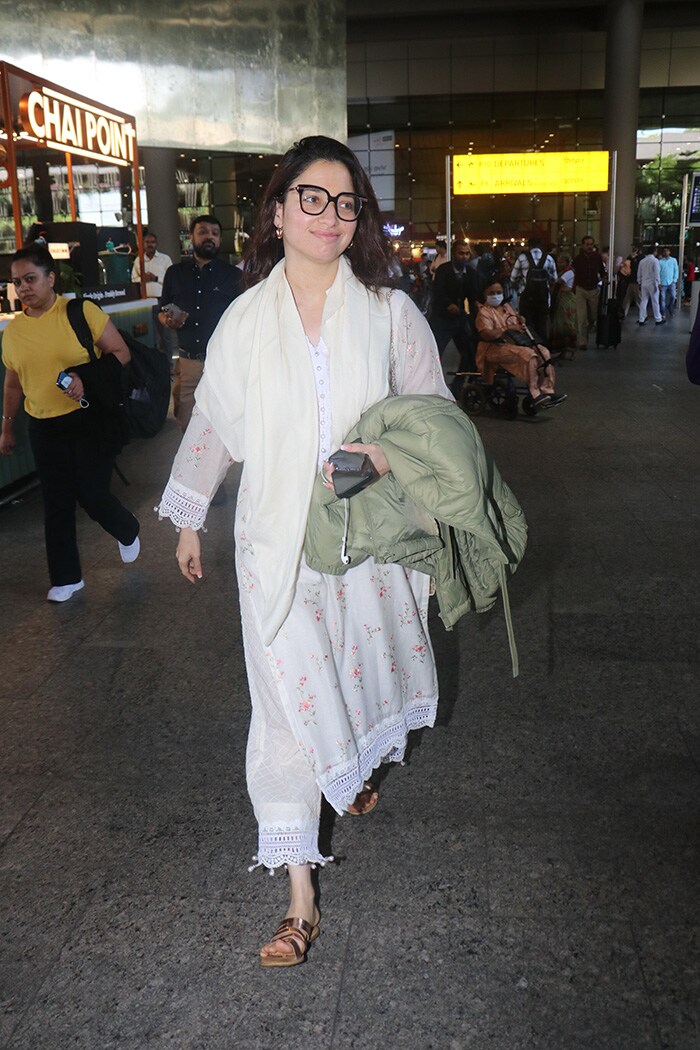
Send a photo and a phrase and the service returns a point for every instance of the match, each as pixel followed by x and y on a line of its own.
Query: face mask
pixel 495 300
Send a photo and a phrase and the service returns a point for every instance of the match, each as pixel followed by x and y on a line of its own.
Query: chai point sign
pixel 572 172
pixel 75 126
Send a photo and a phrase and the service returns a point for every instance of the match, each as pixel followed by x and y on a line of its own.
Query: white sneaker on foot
pixel 130 552
pixel 62 594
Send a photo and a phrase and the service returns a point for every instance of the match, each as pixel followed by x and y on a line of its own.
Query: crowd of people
pixel 558 293
pixel 517 309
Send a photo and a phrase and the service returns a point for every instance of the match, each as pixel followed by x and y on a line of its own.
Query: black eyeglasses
pixel 313 200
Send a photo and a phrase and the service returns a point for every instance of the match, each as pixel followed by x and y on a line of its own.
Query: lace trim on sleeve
pixel 186 508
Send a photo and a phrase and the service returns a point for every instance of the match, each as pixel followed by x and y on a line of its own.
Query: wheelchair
pixel 505 396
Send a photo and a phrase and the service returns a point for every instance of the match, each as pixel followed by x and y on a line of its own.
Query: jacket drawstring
pixel 509 621
pixel 344 556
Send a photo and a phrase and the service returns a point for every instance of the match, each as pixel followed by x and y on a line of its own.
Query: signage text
pixel 73 126
pixel 582 171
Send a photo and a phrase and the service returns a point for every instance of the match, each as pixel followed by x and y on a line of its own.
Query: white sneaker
pixel 130 552
pixel 62 594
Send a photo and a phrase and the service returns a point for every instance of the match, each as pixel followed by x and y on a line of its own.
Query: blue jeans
pixel 667 299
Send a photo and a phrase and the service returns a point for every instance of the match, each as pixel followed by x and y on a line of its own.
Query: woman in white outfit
pixel 340 668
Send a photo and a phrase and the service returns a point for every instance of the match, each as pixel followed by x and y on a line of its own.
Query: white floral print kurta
pixel 351 671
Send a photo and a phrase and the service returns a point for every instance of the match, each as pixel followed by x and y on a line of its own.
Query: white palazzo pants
pixel 349 674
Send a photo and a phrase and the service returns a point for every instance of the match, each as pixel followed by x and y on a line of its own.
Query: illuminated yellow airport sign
pixel 575 172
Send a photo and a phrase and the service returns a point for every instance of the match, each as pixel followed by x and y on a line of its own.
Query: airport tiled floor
pixel 530 879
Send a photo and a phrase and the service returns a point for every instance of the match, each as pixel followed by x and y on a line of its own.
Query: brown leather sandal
pixel 297 932
pixel 365 800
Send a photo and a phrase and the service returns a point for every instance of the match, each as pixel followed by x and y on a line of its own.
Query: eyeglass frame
pixel 300 187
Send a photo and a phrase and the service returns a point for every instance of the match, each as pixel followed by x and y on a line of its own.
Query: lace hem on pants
pixel 279 846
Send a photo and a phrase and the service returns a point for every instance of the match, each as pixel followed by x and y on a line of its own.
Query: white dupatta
pixel 258 392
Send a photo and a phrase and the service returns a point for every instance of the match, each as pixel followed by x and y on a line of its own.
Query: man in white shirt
pixel 440 257
pixel 668 276
pixel 648 280
pixel 155 265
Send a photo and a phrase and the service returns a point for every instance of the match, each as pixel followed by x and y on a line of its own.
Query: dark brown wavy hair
pixel 369 253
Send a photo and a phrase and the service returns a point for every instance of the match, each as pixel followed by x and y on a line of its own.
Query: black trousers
pixel 536 315
pixel 74 468
pixel 459 329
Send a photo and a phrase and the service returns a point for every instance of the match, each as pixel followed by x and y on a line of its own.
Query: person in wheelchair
pixel 505 341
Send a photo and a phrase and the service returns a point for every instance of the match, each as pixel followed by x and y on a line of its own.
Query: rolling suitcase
pixel 609 329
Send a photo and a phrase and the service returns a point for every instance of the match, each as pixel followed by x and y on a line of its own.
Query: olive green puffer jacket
pixel 444 508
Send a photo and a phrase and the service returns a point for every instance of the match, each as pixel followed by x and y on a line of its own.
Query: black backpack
pixel 146 379
pixel 486 271
pixel 536 290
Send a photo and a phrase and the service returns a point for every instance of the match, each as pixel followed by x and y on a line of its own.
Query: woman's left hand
pixel 375 453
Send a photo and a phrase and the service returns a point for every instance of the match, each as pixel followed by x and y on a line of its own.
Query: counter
pixel 135 317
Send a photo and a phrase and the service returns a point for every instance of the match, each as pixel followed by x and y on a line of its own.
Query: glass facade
pixel 230 184
pixel 424 130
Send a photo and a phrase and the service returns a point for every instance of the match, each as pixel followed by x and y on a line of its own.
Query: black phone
pixel 354 471
pixel 64 381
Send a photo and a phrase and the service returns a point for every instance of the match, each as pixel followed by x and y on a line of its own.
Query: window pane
pixel 430 112
pixel 514 107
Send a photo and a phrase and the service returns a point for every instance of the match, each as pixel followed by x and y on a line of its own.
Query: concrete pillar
pixel 621 114
pixel 161 197
pixel 225 200
pixel 42 187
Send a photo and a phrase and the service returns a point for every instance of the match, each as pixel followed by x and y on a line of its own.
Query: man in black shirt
pixel 200 288
pixel 454 283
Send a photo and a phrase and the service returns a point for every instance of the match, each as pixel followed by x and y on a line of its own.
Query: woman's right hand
pixel 76 391
pixel 7 443
pixel 188 555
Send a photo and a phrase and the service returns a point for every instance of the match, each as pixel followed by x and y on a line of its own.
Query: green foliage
pixel 658 186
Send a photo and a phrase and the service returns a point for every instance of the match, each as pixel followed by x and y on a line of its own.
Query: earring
pixel 279 231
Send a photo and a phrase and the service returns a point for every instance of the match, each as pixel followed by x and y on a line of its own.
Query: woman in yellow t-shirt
pixel 72 462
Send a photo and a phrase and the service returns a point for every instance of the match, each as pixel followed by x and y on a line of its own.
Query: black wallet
pixel 354 471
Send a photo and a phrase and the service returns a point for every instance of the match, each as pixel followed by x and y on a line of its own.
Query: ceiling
pixel 379 20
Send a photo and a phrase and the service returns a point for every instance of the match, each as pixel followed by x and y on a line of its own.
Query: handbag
pixel 143 384
pixel 515 336
pixel 354 471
